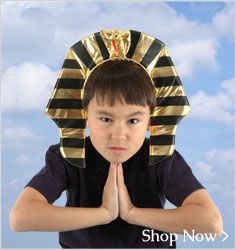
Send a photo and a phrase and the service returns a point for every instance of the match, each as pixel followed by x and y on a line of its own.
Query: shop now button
pixel 225 236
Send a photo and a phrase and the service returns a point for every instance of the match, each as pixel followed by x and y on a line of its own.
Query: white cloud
pixel 205 171
pixel 191 57
pixel 13 182
pixel 220 157
pixel 20 138
pixel 223 22
pixel 18 133
pixel 17 8
pixel 24 160
pixel 216 171
pixel 27 87
pixel 194 44
pixel 229 87
pixel 217 108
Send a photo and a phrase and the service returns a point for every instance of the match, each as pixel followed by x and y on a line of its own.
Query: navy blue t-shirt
pixel 148 187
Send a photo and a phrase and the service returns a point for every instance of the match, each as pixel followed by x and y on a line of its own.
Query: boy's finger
pixel 112 172
pixel 120 173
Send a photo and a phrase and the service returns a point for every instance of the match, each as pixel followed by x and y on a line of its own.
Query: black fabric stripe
pixel 67 83
pixel 134 41
pixel 65 104
pixel 152 52
pixel 153 159
pixel 77 162
pixel 172 101
pixel 102 46
pixel 165 120
pixel 164 61
pixel 162 140
pixel 83 54
pixel 70 123
pixel 72 142
pixel 167 81
pixel 71 64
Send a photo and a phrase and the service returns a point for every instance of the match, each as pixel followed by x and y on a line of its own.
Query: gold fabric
pixel 142 47
pixel 164 72
pixel 163 150
pixel 170 91
pixel 71 73
pixel 121 39
pixel 72 152
pixel 170 110
pixel 163 129
pixel 68 93
pixel 72 133
pixel 66 113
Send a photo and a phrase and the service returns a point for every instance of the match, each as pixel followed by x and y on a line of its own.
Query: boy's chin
pixel 117 159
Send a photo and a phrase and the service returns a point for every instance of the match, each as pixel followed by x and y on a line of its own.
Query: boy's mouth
pixel 117 150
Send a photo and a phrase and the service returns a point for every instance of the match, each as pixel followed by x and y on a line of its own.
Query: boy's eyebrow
pixel 100 112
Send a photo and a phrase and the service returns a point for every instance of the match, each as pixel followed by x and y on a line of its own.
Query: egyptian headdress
pixel 65 106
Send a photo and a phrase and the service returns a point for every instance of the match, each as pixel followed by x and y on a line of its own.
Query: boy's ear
pixel 148 126
pixel 86 117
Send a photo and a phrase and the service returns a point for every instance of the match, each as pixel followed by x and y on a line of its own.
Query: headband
pixel 65 106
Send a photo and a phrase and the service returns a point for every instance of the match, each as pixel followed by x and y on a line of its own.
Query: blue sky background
pixel 35 39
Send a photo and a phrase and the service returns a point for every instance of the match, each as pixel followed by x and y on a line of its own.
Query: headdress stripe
pixel 72 93
pixel 172 101
pixel 162 140
pixel 162 129
pixel 66 83
pixel 71 73
pixel 102 46
pixel 66 113
pixel 164 72
pixel 71 64
pixel 152 52
pixel 170 110
pixel 77 162
pixel 167 81
pixel 166 120
pixel 72 142
pixel 80 50
pixel 164 61
pixel 65 104
pixel 135 35
pixel 70 123
pixel 72 152
pixel 161 150
pixel 169 91
pixel 76 132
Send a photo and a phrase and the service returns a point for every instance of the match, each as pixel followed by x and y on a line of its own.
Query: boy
pixel 119 84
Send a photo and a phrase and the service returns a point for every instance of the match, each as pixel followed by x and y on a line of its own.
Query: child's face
pixel 117 132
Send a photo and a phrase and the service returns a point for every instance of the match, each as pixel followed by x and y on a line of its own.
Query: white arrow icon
pixel 226 236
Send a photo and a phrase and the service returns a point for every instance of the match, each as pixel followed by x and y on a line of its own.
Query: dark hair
pixel 122 80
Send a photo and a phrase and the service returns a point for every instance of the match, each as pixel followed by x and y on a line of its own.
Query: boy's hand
pixel 125 204
pixel 110 194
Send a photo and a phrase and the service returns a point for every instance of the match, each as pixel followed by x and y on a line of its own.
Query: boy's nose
pixel 118 132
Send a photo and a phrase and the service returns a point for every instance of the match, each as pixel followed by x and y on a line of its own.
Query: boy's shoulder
pixel 55 148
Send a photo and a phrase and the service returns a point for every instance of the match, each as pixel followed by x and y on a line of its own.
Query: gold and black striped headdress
pixel 65 105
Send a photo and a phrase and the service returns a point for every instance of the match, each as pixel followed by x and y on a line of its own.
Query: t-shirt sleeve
pixel 176 179
pixel 51 180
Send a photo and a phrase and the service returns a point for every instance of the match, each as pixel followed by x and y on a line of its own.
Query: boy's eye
pixel 133 121
pixel 105 119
